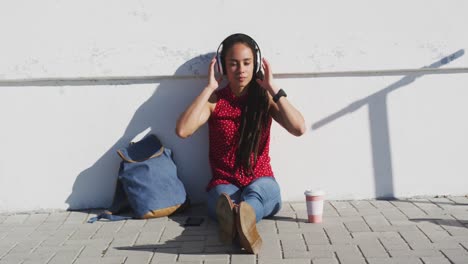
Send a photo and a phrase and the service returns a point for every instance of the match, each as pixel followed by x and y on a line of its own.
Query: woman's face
pixel 239 62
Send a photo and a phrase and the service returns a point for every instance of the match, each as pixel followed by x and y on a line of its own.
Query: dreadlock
pixel 254 115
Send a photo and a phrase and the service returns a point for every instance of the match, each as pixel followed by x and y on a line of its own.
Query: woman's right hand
pixel 213 83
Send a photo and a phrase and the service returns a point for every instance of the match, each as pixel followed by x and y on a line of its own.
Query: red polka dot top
pixel 223 126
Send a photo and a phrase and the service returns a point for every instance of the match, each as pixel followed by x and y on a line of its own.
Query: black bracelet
pixel 278 95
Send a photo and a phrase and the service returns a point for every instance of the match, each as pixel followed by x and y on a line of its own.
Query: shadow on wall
pixel 379 129
pixel 94 187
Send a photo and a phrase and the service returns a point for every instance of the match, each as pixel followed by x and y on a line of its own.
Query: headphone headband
pixel 257 51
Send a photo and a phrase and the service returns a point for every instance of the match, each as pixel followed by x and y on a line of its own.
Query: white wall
pixel 372 136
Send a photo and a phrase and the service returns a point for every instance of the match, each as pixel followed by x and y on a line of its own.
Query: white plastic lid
pixel 317 192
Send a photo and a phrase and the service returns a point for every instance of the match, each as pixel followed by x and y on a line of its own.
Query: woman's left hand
pixel 267 82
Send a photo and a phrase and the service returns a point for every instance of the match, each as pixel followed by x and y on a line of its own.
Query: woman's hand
pixel 267 82
pixel 213 83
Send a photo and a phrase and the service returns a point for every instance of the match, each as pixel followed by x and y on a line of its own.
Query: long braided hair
pixel 254 117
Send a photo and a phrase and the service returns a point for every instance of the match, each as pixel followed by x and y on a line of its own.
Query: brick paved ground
pixel 426 231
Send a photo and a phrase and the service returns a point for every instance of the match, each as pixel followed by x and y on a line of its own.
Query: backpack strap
pixel 145 149
pixel 109 217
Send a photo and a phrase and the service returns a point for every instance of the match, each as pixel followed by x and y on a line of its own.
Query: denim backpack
pixel 147 185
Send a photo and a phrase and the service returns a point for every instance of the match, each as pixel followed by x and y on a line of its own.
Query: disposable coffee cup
pixel 314 201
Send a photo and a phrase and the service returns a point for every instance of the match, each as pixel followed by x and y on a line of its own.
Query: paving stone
pixel 57 217
pixel 124 241
pixel 25 247
pixel 394 243
pixel 415 245
pixel 288 227
pixel 101 242
pixel 19 233
pixel 36 219
pixel 29 261
pixel 373 250
pixel 271 249
pixel 190 262
pixel 151 226
pixel 457 229
pixel 376 220
pixel 321 251
pixel 461 216
pixel 414 236
pixel 15 219
pixel 77 217
pixel 243 259
pixel 348 212
pixel 376 235
pixel 296 207
pixel 48 227
pixel 339 235
pixel 394 215
pixel 6 246
pixel 62 259
pixel 316 238
pixel 464 244
pixel 329 211
pixel 143 259
pixel 216 261
pixel 266 226
pixel 415 253
pixel 216 256
pixel 382 204
pixel 456 255
pixel 107 230
pixel 221 249
pixel 349 254
pixel 38 258
pixel 169 244
pixel 459 199
pixel 164 255
pixel 426 205
pixel 357 226
pixel 325 261
pixel 192 247
pixel 13 258
pixel 66 254
pixel 86 232
pixel 285 216
pixel 306 227
pixel 97 260
pixel 92 251
pixel 435 260
pixel 444 202
pixel 286 261
pixel 397 260
pixel 438 236
pixel 112 252
pixel 409 209
pixel 145 238
pixel 294 247
pixel 338 205
pixel 363 205
pixel 332 221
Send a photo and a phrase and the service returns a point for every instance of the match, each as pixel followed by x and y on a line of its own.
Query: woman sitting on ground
pixel 242 190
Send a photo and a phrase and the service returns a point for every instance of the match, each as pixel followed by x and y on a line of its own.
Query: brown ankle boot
pixel 246 224
pixel 226 219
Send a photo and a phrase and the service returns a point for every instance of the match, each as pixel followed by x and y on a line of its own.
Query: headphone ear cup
pixel 260 75
pixel 219 64
pixel 259 62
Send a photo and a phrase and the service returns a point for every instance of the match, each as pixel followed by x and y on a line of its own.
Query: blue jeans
pixel 263 195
